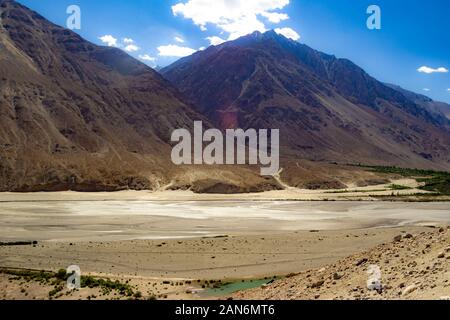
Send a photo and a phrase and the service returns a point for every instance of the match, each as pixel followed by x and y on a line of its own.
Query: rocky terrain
pixel 412 266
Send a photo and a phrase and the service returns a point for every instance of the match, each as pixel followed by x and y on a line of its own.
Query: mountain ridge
pixel 79 116
pixel 330 107
pixel 82 117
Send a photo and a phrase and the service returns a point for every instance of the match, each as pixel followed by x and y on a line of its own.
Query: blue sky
pixel 413 33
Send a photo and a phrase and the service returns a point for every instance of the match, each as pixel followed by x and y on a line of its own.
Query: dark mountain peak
pixel 259 38
pixel 272 35
pixel 327 108
pixel 268 35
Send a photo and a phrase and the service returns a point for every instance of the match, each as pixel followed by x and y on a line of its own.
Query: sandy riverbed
pixel 152 238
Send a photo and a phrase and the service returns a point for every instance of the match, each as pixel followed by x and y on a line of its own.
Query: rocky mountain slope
pixel 435 107
pixel 77 116
pixel 82 117
pixel 413 267
pixel 327 109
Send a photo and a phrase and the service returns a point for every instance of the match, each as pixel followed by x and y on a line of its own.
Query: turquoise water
pixel 229 288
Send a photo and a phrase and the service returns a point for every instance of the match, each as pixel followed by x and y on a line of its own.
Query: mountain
pixel 327 109
pixel 76 116
pixel 435 107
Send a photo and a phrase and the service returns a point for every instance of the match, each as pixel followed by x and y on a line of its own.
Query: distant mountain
pixel 327 109
pixel 76 116
pixel 438 108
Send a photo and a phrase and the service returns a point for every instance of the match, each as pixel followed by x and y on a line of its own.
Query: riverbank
pixel 397 188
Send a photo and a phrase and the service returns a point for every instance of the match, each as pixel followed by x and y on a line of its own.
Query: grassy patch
pixel 437 182
pixel 398 187
pixel 107 285
pixel 355 191
pixel 58 281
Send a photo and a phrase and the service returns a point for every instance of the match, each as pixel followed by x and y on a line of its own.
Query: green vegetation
pixel 58 281
pixel 437 182
pixel 107 285
pixel 391 187
pixel 355 191
pixel 43 277
pixel 398 187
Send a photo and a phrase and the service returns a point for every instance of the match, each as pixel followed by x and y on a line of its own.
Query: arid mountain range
pixel 77 116
pixel 327 109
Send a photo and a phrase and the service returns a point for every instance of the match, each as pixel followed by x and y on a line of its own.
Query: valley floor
pixel 180 245
pixel 192 268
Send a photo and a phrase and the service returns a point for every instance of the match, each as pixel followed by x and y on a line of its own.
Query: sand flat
pixel 119 220
pixel 135 235
pixel 233 257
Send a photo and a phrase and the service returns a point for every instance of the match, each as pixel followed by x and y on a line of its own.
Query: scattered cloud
pixel 109 40
pixel 426 89
pixel 132 48
pixel 128 40
pixel 147 57
pixel 173 50
pixel 429 70
pixel 235 17
pixel 448 89
pixel 179 39
pixel 275 17
pixel 215 41
pixel 288 33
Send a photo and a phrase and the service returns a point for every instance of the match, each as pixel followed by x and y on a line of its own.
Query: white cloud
pixel 215 41
pixel 243 26
pixel 448 89
pixel 132 48
pixel 173 50
pixel 128 40
pixel 147 57
pixel 236 17
pixel 109 40
pixel 429 70
pixel 288 33
pixel 426 89
pixel 179 39
pixel 275 17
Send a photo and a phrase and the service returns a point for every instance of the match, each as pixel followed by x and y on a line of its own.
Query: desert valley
pixel 86 176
